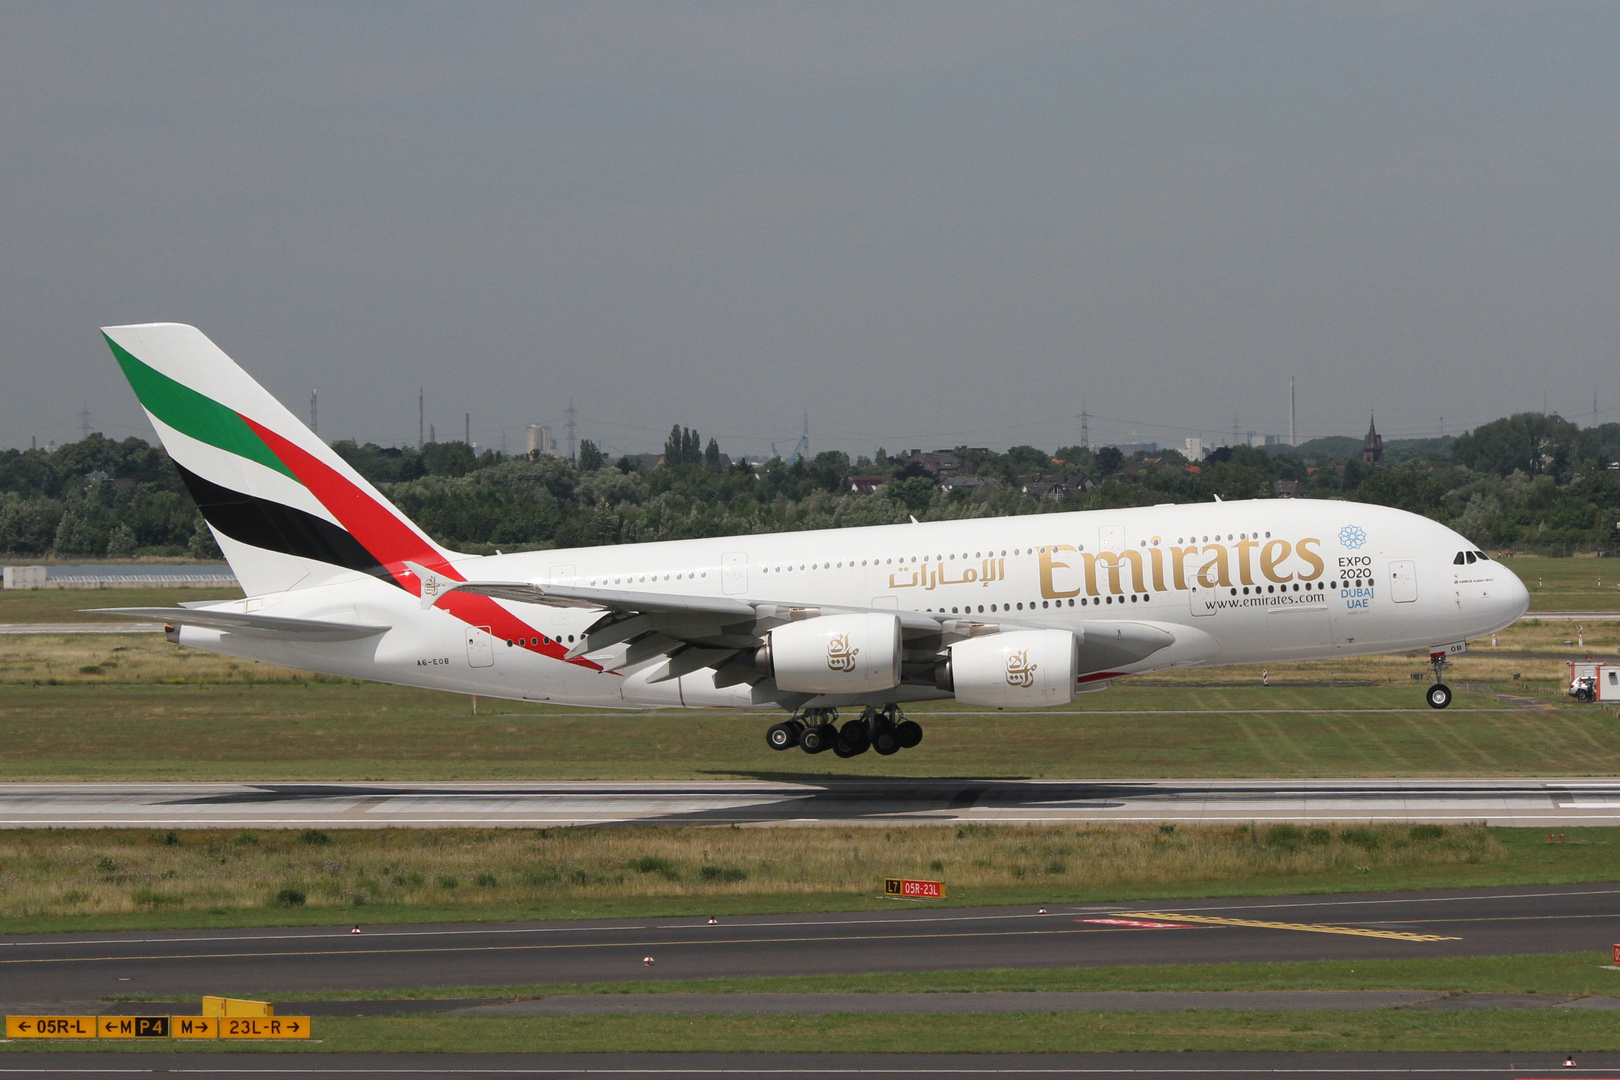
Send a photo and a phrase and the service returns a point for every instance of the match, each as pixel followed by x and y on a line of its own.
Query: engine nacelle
pixel 1020 669
pixel 834 654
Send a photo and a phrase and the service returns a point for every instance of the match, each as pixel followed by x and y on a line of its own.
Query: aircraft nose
pixel 1515 597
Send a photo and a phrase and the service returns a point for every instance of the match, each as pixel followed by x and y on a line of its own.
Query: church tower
pixel 1372 447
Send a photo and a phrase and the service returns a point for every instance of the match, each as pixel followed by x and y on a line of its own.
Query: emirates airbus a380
pixel 1018 612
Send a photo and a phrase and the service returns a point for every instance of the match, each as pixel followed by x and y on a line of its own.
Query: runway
pixel 880 801
pixel 280 961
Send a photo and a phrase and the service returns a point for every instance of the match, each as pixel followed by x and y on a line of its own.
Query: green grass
pixel 1568 584
pixel 1543 1030
pixel 98 729
pixel 65 880
pixel 1554 973
pixel 63 605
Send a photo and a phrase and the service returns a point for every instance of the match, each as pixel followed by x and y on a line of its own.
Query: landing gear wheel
pixel 1439 696
pixel 784 736
pixel 848 750
pixel 909 732
pixel 816 739
pixel 887 742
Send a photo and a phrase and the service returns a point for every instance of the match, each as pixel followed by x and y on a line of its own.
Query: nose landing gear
pixel 817 730
pixel 1438 695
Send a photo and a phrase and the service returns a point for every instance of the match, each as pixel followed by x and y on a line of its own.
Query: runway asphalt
pixel 830 1066
pixel 1468 922
pixel 1542 803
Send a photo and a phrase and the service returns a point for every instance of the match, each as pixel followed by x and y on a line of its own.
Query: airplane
pixel 997 613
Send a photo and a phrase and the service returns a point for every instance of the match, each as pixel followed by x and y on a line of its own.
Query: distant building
pixel 1287 489
pixel 865 485
pixel 1258 441
pixel 1195 450
pixel 538 440
pixel 1054 487
pixel 1129 448
pixel 1372 447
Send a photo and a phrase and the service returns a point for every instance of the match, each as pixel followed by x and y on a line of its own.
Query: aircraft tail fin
pixel 287 511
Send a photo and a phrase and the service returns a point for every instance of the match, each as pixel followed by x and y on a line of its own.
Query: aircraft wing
pixel 253 625
pixel 689 632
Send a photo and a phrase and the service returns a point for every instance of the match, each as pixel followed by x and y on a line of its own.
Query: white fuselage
pixel 1237 582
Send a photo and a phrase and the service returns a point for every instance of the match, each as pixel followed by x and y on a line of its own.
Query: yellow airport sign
pixel 264 1027
pixel 157 1027
pixel 133 1027
pixel 50 1027
pixel 194 1027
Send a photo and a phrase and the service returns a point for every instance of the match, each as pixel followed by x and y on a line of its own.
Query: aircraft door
pixel 1201 598
pixel 480 647
pixel 734 572
pixel 1402 580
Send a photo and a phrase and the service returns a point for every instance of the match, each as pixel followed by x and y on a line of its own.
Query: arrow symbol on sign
pixel 294 1027
pixel 23 1026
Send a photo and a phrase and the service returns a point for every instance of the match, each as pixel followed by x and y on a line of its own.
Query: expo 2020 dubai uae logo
pixel 1352 536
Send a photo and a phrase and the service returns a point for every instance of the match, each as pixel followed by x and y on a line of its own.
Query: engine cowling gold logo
pixel 1020 672
pixel 840 657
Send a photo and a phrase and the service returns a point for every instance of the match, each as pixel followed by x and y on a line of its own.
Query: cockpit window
pixel 1459 560
pixel 1470 555
pixel 1482 556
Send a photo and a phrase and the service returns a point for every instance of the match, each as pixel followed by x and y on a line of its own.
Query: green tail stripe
pixel 193 414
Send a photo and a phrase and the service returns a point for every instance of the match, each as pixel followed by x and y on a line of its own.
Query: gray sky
pixel 924 224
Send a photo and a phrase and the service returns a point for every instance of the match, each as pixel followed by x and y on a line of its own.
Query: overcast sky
pixel 924 225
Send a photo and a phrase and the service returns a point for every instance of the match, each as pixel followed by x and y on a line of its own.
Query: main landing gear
pixel 817 730
pixel 1438 695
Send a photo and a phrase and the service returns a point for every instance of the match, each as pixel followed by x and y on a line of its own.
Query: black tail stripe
pixel 278 527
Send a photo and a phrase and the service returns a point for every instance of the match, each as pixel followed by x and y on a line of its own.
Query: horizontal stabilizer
pixel 235 622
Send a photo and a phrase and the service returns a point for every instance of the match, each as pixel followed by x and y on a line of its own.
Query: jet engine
pixel 1020 669
pixel 834 654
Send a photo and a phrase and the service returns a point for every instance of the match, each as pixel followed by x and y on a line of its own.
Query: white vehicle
pixel 1020 612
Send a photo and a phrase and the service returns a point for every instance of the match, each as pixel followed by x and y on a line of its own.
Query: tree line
pixel 1530 482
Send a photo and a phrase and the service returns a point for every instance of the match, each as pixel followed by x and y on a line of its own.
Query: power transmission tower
pixel 1085 425
pixel 570 415
pixel 84 421
pixel 421 413
pixel 466 421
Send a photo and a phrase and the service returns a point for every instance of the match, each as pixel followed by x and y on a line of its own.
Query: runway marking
pixel 343 935
pixel 666 944
pixel 1312 928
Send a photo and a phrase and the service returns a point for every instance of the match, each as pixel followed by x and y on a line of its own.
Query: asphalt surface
pixel 253 962
pixel 828 1066
pixel 857 800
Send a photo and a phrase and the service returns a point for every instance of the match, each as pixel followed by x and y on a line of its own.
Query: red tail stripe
pixel 380 531
pixel 394 542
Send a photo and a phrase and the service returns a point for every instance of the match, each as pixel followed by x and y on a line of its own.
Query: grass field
pixel 1581 974
pixel 134 707
pixel 64 605
pixel 1568 584
pixel 1542 1030
pixel 52 880
pixel 1545 1030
